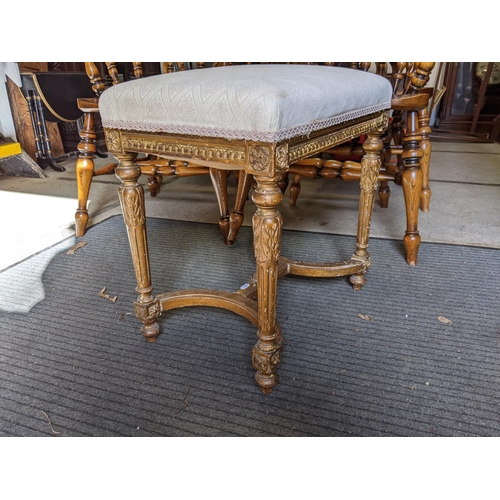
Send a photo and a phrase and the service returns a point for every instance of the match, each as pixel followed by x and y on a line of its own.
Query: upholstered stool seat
pixel 258 119
pixel 265 103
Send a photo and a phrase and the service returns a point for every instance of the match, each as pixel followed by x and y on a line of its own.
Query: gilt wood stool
pixel 258 119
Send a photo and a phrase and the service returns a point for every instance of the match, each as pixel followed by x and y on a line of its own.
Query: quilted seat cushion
pixel 261 102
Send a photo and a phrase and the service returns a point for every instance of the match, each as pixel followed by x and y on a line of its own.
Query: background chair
pixel 406 154
pixel 154 166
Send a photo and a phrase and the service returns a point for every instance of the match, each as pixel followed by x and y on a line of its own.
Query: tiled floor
pixel 465 183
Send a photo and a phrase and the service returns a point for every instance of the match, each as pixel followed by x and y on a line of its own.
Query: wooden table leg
pixel 412 186
pixel 370 168
pixel 131 193
pixel 267 225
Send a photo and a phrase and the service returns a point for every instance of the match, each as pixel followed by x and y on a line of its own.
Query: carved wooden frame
pixel 267 162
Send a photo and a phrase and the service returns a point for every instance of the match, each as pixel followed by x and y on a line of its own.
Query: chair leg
pixel 219 182
pixel 267 225
pixel 154 184
pixel 384 191
pixel 412 186
pixel 425 145
pixel 370 169
pixel 397 128
pixel 284 182
pixel 236 218
pixel 131 195
pixel 85 171
pixel 295 190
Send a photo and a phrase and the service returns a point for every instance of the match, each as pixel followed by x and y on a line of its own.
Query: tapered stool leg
pixel 267 225
pixel 131 195
pixel 370 168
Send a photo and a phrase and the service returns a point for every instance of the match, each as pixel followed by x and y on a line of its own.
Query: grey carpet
pixel 76 364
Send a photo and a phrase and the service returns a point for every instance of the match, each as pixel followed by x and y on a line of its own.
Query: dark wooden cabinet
pixel 470 109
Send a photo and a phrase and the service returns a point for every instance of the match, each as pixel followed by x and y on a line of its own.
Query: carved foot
pixel 150 332
pixel 235 222
pixel 294 193
pixel 224 229
pixel 266 363
pixel 357 281
pixel 425 199
pixel 148 313
pixel 81 220
pixel 412 243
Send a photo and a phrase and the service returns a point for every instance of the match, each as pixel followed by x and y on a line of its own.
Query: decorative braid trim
pixel 249 135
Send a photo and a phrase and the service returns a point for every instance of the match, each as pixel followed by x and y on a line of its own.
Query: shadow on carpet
pixel 414 353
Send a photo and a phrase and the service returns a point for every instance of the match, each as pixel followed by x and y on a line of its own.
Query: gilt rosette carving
pixel 113 142
pixel 259 158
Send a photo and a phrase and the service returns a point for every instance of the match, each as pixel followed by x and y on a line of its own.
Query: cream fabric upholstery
pixel 261 102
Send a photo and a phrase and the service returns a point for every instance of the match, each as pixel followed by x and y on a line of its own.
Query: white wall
pixel 6 121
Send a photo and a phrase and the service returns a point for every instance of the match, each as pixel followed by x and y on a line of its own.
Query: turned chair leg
pixel 425 145
pixel 236 218
pixel 412 186
pixel 295 190
pixel 85 171
pixel 370 170
pixel 219 182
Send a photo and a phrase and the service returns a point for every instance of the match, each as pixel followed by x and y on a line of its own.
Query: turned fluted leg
pixel 267 224
pixel 219 182
pixel 85 171
pixel 412 186
pixel 425 145
pixel 370 168
pixel 131 195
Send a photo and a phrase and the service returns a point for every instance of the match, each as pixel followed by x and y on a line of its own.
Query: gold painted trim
pixel 224 153
pixel 305 149
pixel 230 153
